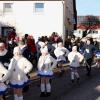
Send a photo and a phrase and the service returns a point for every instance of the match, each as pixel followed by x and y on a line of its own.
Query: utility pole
pixel 63 36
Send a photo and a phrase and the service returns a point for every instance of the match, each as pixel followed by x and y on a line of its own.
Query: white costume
pixel 19 67
pixel 74 58
pixel 61 53
pixel 4 74
pixel 46 64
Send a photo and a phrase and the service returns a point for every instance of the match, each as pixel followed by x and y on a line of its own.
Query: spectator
pixel 5 55
pixel 11 45
pixel 88 51
pixel 32 47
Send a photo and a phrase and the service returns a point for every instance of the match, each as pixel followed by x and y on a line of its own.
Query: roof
pixel 88 27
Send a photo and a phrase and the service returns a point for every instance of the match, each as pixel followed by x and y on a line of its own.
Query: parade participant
pixel 27 54
pixel 19 67
pixel 75 58
pixel 5 55
pixel 61 53
pixel 3 77
pixel 88 51
pixel 46 64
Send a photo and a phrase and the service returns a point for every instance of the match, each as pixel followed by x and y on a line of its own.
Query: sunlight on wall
pixel 26 21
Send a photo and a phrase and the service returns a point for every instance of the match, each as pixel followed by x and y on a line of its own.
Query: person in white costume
pixel 61 53
pixel 19 66
pixel 5 56
pixel 75 58
pixel 4 75
pixel 46 64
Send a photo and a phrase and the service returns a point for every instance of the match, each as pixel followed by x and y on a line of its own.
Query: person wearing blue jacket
pixel 88 50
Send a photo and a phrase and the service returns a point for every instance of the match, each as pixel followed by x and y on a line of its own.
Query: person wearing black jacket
pixel 25 50
pixel 11 45
pixel 88 51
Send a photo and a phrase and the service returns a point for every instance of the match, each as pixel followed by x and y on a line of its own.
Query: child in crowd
pixel 61 53
pixel 75 58
pixel 19 67
pixel 46 64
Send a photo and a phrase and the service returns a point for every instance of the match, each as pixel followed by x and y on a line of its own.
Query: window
pixel 7 7
pixel 39 7
pixel 5 31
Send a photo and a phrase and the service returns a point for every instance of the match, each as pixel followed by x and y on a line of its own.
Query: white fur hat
pixel 42 44
pixel 74 48
pixel 17 50
pixel 60 44
pixel 1 44
pixel 44 50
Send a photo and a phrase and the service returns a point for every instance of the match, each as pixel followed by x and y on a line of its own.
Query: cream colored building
pixel 36 18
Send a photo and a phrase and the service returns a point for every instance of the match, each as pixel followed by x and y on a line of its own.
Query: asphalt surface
pixel 62 89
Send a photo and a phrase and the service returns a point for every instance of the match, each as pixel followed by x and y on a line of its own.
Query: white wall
pixel 27 21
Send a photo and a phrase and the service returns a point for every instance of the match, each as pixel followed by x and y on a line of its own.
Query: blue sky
pixel 88 7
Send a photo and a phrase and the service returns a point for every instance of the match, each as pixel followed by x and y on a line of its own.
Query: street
pixel 62 89
pixel 38 38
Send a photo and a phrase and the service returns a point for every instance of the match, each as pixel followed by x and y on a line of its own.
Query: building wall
pixel 69 16
pixel 27 21
pixel 56 17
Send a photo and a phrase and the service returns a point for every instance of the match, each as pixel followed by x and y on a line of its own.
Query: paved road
pixel 89 89
pixel 63 89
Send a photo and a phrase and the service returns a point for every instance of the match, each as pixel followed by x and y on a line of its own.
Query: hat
pixel 1 44
pixel 60 44
pixel 44 50
pixel 74 48
pixel 17 50
pixel 42 44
